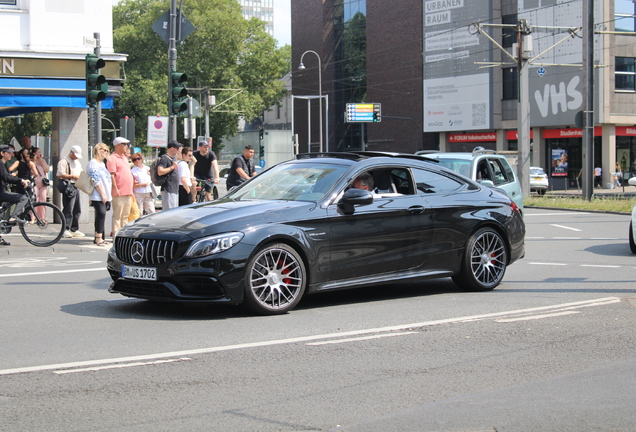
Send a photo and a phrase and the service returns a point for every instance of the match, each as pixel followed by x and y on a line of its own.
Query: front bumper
pixel 214 279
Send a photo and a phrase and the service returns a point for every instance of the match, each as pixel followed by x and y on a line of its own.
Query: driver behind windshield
pixel 364 181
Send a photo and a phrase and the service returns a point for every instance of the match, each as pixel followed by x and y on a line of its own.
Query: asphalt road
pixel 551 349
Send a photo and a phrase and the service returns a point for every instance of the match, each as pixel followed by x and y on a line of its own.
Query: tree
pixel 224 52
pixel 30 124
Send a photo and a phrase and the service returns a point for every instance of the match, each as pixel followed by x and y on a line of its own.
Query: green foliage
pixel 232 56
pixel 30 124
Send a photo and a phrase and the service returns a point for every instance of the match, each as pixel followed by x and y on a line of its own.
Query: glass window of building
pixel 625 74
pixel 8 3
pixel 624 15
pixel 510 81
pixel 508 34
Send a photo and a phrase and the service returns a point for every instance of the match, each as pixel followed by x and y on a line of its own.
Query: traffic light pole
pixel 97 117
pixel 172 64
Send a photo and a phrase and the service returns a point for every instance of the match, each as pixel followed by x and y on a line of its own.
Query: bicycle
pixel 37 231
pixel 201 190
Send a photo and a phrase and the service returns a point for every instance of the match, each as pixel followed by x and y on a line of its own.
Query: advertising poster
pixel 559 161
pixel 457 92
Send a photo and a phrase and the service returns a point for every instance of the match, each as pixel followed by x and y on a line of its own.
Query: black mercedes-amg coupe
pixel 302 227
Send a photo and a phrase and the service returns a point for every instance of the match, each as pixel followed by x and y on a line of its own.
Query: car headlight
pixel 213 245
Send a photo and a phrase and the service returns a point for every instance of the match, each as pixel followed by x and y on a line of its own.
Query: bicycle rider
pixel 206 167
pixel 6 179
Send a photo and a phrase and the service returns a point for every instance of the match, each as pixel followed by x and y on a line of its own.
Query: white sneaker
pixel 78 234
pixel 67 234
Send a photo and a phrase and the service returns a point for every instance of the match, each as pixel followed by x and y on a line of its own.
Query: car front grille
pixel 154 251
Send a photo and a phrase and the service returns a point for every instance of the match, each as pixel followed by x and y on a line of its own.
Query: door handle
pixel 417 209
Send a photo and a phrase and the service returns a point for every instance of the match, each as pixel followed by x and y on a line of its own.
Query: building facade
pixel 261 9
pixel 443 85
pixel 43 45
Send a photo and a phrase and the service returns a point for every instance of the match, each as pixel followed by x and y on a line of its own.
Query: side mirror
pixel 354 197
pixel 632 181
pixel 487 183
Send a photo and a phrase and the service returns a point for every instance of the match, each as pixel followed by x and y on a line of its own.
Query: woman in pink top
pixel 41 189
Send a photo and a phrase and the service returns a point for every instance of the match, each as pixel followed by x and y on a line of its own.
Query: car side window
pixel 498 172
pixel 483 173
pixel 429 182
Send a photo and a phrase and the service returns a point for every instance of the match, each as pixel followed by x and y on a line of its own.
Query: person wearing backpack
pixel 168 167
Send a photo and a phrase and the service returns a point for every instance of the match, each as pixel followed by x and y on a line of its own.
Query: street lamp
pixel 302 67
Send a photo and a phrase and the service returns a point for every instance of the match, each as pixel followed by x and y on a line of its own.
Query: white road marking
pixel 548 264
pixel 52 272
pixel 565 227
pixel 359 338
pixel 598 265
pixel 566 238
pixel 402 327
pixel 604 238
pixel 534 317
pixel 120 366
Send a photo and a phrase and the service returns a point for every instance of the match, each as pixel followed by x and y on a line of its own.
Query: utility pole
pixel 523 110
pixel 172 63
pixel 588 103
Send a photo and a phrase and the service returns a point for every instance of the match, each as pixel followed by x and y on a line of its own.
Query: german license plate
pixel 139 273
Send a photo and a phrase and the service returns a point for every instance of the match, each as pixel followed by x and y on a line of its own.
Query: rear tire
pixel 43 232
pixel 484 262
pixel 632 245
pixel 275 280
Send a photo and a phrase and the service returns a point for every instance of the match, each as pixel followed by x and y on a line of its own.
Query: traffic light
pixel 96 86
pixel 178 92
pixel 262 151
pixel 260 133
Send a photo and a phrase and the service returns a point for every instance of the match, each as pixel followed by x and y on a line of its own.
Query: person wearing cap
pixel 69 168
pixel 206 167
pixel 123 181
pixel 6 152
pixel 168 167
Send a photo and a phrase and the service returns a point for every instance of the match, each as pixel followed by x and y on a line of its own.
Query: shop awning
pixel 24 95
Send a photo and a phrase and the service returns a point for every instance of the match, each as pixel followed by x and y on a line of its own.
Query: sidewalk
pixel 20 247
pixel 628 192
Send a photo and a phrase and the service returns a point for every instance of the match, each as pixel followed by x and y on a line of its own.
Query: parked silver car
pixel 538 180
pixel 484 166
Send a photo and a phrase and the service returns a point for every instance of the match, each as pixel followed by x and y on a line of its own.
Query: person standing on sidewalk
pixel 123 181
pixel 142 188
pixel 101 196
pixel 69 168
pixel 168 167
pixel 185 177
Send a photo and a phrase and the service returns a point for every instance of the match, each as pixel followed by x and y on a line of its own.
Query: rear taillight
pixel 514 206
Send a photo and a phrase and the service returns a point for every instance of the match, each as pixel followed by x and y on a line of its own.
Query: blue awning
pixel 24 95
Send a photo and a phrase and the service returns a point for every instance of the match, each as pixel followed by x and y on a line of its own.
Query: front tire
pixel 632 245
pixel 43 232
pixel 215 193
pixel 275 280
pixel 484 262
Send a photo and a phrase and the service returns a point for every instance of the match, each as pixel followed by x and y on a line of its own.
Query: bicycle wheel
pixel 43 232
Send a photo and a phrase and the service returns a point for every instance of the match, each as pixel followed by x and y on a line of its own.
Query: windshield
pixel 461 166
pixel 292 182
pixel 536 171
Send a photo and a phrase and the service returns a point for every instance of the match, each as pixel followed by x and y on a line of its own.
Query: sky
pixel 282 21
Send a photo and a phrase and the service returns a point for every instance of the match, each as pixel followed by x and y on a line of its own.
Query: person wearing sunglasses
pixel 101 196
pixel 141 186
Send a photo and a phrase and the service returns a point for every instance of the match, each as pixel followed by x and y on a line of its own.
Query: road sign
pixel 162 27
pixel 158 131
pixel 541 71
pixel 363 112
pixel 262 163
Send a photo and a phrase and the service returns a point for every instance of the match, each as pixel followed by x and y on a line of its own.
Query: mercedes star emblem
pixel 137 252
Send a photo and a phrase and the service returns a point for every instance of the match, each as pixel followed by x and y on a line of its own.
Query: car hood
pixel 198 220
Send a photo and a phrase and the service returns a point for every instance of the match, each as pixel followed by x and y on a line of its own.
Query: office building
pixel 444 85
